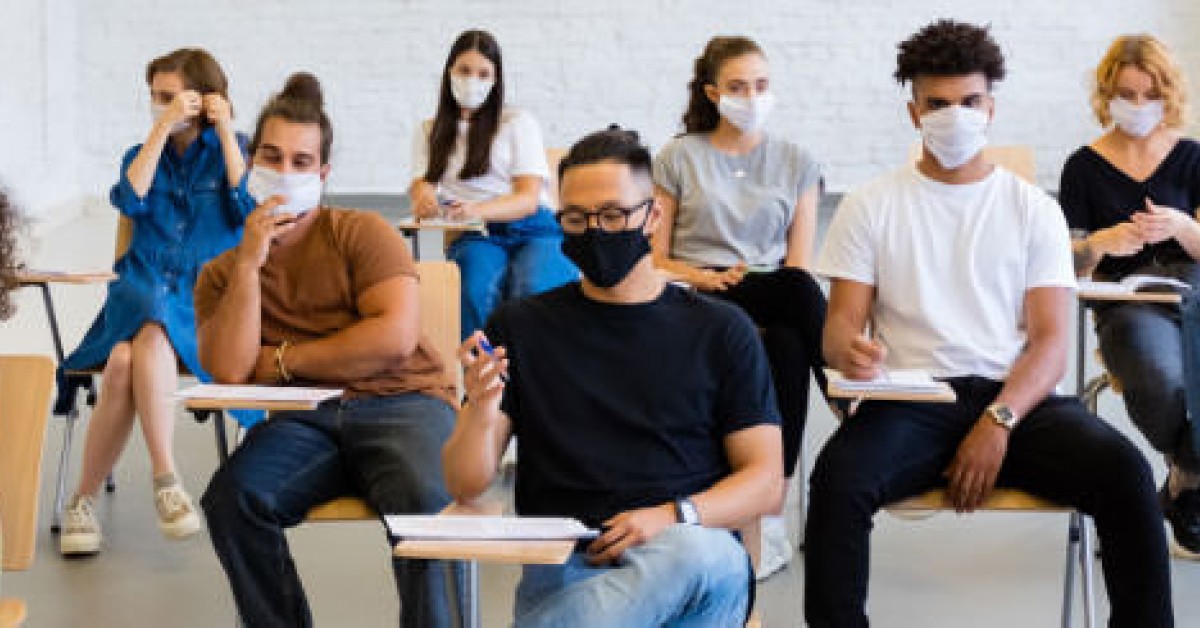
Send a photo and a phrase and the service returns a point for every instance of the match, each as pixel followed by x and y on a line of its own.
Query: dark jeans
pixel 890 450
pixel 1143 347
pixel 386 450
pixel 789 307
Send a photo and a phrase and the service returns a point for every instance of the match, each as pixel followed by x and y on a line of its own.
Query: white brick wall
pixel 576 65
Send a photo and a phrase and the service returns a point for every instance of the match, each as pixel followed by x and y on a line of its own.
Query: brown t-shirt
pixel 310 290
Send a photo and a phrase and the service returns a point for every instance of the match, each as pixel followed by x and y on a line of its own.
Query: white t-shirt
pixel 950 265
pixel 516 150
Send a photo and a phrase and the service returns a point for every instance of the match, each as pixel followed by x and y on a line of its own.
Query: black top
pixel 1096 195
pixel 623 406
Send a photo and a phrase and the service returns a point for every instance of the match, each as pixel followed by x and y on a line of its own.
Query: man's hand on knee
pixel 629 529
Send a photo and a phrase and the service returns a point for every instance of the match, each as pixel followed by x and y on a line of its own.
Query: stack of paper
pixel 479 528
pixel 1130 284
pixel 896 382
pixel 258 393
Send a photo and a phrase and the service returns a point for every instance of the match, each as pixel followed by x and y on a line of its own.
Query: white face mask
pixel 747 113
pixel 470 92
pixel 302 190
pixel 1134 120
pixel 157 111
pixel 954 134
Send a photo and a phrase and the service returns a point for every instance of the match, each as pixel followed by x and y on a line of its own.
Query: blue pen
pixel 487 348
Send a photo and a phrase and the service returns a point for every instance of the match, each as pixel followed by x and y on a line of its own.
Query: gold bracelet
pixel 284 376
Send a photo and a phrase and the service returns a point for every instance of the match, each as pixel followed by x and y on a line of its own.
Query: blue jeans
pixel 686 576
pixel 386 450
pixel 515 259
pixel 1145 347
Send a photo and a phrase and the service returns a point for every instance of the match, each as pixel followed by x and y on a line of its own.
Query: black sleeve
pixel 746 394
pixel 497 332
pixel 1071 195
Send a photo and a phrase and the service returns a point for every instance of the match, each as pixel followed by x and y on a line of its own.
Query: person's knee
pixel 229 499
pixel 119 366
pixel 151 335
pixel 1120 468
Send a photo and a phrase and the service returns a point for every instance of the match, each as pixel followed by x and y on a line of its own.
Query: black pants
pixel 790 308
pixel 890 450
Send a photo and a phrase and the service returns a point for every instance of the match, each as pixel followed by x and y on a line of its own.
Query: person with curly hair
pixel 963 270
pixel 10 219
pixel 1130 196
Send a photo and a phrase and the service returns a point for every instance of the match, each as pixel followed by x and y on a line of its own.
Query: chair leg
pixel 110 485
pixel 64 460
pixel 1087 557
pixel 473 615
pixel 1068 604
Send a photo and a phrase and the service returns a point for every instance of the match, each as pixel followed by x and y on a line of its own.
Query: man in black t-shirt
pixel 642 408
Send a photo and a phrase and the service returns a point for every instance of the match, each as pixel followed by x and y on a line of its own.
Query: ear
pixel 713 94
pixel 914 115
pixel 324 173
pixel 654 217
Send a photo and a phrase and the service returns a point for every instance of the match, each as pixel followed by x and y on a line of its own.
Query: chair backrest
pixel 554 156
pixel 26 383
pixel 441 311
pixel 1017 158
pixel 124 236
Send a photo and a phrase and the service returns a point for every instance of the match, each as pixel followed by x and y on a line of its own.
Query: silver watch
pixel 1002 415
pixel 686 512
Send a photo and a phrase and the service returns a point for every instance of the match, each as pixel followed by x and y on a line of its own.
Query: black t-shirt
pixel 623 406
pixel 1096 195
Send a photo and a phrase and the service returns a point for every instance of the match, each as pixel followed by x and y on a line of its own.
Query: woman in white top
pixel 479 160
pixel 739 218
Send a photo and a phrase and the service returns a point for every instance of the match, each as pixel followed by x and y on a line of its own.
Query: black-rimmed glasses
pixel 609 218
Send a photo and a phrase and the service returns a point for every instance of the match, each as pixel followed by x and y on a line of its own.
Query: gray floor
pixel 986 570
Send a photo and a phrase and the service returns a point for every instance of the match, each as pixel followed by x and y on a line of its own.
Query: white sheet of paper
pixel 480 528
pixel 1128 285
pixel 898 380
pixel 258 393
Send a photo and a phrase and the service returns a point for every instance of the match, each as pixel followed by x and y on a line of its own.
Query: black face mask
pixel 606 258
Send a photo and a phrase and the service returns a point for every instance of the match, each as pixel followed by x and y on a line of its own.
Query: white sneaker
pixel 177 518
pixel 776 548
pixel 80 534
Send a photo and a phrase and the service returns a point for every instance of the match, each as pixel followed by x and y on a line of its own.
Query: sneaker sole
pixel 182 529
pixel 78 545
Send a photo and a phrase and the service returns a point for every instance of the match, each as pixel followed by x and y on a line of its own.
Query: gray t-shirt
pixel 733 208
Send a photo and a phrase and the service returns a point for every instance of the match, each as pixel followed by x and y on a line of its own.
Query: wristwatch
pixel 686 512
pixel 1002 415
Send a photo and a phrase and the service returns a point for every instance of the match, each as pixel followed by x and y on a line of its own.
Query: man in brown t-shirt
pixel 325 297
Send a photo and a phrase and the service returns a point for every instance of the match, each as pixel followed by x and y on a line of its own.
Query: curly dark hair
pixel 10 221
pixel 949 48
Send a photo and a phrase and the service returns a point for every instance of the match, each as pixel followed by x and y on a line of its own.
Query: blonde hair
pixel 1148 54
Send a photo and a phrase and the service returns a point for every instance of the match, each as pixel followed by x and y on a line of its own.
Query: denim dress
pixel 189 215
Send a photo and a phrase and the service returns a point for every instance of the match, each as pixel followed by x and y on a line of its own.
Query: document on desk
pixel 482 528
pixel 474 224
pixel 224 392
pixel 890 384
pixel 1131 284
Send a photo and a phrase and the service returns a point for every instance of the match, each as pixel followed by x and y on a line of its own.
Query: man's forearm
pixel 472 453
pixel 359 351
pixel 741 497
pixel 230 340
pixel 1034 375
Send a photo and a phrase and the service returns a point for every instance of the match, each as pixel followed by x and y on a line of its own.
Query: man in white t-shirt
pixel 955 266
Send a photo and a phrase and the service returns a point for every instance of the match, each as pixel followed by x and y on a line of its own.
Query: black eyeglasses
pixel 610 218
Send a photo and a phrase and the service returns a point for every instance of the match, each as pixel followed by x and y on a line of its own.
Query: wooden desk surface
pixel 440 225
pixel 1169 298
pixel 230 404
pixel 508 551
pixel 36 277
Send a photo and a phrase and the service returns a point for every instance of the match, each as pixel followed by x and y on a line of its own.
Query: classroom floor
pixel 983 570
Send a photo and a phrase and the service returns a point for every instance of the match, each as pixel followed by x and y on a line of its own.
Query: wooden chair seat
pixel 1001 499
pixel 12 613
pixel 342 509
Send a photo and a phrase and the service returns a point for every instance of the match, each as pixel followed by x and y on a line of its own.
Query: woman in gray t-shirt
pixel 739 220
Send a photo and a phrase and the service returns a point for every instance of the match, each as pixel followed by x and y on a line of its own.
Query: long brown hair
pixel 10 221
pixel 484 122
pixel 300 101
pixel 200 72
pixel 702 115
